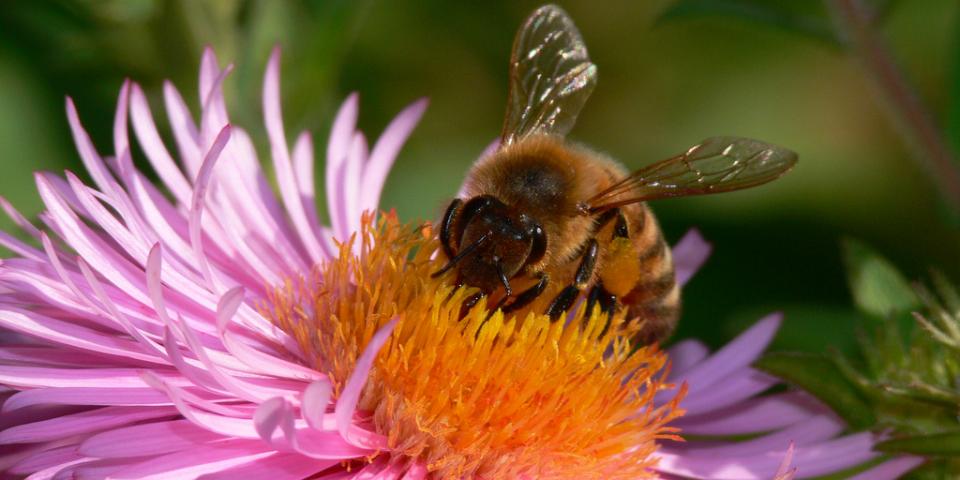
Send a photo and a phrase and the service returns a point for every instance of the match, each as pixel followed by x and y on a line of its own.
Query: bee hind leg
pixel 564 300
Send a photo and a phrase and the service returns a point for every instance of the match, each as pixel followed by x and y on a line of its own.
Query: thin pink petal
pixel 739 353
pixel 338 148
pixel 148 439
pixel 47 462
pixel 184 129
pixel 83 422
pixel 738 387
pixel 196 203
pixel 289 189
pixel 281 466
pixel 385 152
pixel 92 396
pixel 153 147
pixel 91 159
pixel 201 460
pixel 685 355
pixel 766 413
pixel 316 398
pixel 347 403
pixel 690 253
pixel 890 470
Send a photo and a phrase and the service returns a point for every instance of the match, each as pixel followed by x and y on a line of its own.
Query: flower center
pixel 471 394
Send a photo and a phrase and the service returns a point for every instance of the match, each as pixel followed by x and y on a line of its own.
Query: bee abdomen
pixel 655 297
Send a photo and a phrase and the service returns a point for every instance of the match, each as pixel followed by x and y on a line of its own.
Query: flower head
pixel 204 327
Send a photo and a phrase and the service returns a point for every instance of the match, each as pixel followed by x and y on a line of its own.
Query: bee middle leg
pixel 564 300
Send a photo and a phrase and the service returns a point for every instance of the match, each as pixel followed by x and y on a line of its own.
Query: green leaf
pixel 877 287
pixel 820 376
pixel 805 18
pixel 946 443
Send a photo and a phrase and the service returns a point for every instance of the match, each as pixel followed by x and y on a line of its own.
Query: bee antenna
pixel 460 256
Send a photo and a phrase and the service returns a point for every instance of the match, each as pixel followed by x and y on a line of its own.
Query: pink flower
pixel 137 340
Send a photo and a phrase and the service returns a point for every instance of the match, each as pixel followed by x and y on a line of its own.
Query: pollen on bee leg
pixel 622 267
pixel 487 395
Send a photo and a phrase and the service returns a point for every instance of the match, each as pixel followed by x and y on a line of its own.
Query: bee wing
pixel 551 76
pixel 718 164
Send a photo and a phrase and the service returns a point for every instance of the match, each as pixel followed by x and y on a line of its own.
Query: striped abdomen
pixel 639 271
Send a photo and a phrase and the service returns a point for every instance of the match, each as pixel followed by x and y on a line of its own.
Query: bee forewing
pixel 551 76
pixel 718 164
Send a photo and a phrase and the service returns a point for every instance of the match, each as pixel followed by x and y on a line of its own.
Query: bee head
pixel 504 240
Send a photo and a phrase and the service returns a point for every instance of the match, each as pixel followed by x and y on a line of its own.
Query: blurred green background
pixel 664 85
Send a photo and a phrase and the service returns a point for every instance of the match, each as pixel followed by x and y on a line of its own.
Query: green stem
pixel 855 21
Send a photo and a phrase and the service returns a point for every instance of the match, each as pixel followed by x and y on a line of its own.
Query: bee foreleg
pixel 525 297
pixel 564 300
pixel 469 303
pixel 446 227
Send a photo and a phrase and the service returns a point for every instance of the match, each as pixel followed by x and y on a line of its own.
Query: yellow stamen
pixel 477 397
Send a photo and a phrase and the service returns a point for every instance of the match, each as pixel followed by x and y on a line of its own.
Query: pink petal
pixel 766 413
pixel 196 209
pixel 316 397
pixel 347 404
pixel 209 70
pixel 890 470
pixel 184 129
pixel 92 469
pixel 34 377
pixel 350 175
pixel 263 362
pixel 690 253
pixel 219 424
pixel 201 460
pixel 280 466
pixel 289 189
pixel 67 333
pixel 739 353
pixel 148 439
pixel 385 152
pixel 153 147
pixel 685 355
pixel 808 432
pixel 121 141
pixel 47 462
pixel 785 472
pixel 91 159
pixel 731 391
pixel 338 147
pixel 83 422
pixel 833 455
pixel 303 171
pixel 93 396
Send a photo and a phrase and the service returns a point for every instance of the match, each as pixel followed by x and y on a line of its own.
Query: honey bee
pixel 542 209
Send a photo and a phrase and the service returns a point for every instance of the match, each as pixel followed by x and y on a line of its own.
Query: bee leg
pixel 469 303
pixel 525 297
pixel 564 300
pixel 598 294
pixel 446 227
pixel 607 301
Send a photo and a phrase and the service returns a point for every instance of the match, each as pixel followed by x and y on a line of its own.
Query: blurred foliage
pixel 805 18
pixel 671 73
pixel 905 380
